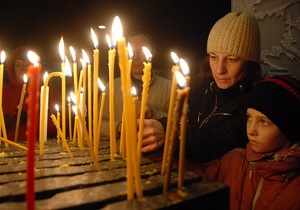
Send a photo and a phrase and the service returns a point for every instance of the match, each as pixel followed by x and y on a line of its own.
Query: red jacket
pixel 257 181
pixel 11 98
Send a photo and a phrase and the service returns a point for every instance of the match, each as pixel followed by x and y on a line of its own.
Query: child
pixel 267 174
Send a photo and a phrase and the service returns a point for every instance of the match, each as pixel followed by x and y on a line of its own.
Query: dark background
pixel 181 26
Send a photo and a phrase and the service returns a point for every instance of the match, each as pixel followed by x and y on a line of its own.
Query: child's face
pixel 21 69
pixel 264 136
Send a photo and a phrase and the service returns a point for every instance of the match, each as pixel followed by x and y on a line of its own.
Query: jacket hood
pixel 278 166
pixel 19 53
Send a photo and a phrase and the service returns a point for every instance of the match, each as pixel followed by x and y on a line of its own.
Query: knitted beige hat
pixel 237 34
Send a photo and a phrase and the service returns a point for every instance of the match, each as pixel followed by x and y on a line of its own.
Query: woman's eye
pixel 264 122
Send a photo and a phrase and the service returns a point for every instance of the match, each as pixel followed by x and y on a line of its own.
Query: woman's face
pixel 21 69
pixel 227 69
pixel 264 136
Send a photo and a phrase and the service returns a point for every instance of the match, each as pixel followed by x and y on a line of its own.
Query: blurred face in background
pixel 21 69
pixel 137 42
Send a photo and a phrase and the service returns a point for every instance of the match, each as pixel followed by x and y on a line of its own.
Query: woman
pixel 217 120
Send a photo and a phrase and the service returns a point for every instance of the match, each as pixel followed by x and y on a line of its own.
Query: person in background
pixel 265 175
pixel 216 118
pixel 159 88
pixel 17 67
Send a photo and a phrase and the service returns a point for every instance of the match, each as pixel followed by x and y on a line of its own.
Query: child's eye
pixel 264 122
pixel 248 117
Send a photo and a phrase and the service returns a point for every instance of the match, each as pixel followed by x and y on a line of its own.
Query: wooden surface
pixel 62 182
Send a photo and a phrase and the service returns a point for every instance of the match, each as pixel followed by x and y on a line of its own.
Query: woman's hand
pixel 153 135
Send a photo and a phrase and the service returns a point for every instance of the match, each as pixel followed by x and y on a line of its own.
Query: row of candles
pixel 130 142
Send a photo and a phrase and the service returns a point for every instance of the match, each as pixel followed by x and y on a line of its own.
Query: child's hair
pixel 279 99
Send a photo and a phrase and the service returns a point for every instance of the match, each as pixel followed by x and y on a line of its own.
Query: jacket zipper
pixel 257 193
pixel 212 114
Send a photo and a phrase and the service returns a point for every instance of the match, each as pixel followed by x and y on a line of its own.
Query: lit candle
pixel 102 87
pixel 20 107
pixel 44 112
pixel 133 167
pixel 89 141
pixel 32 100
pixel 95 83
pixel 146 81
pixel 186 71
pixel 70 118
pixel 44 105
pixel 175 68
pixel 2 124
pixel 63 88
pixel 122 137
pixel 181 95
pixel 72 51
pixel 89 91
pixel 111 68
pixel 58 122
pixel 84 85
pixel 65 144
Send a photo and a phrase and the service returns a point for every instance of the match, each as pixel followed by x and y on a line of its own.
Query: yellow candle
pixel 6 141
pixel 61 136
pixel 181 94
pixel 80 87
pixel 63 88
pixel 89 141
pixel 146 82
pixel 70 118
pixel 130 127
pixel 58 122
pixel 20 107
pixel 174 69
pixel 44 111
pixel 90 101
pixel 74 69
pixel 111 58
pixel 102 87
pixel 80 143
pixel 95 83
pixel 2 126
pixel 182 139
pixel 44 105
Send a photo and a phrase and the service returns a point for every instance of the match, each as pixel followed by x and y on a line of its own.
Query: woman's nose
pixel 220 67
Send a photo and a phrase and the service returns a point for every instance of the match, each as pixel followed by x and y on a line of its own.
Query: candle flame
pixel 133 91
pixel 3 56
pixel 83 62
pixel 45 76
pixel 108 40
pixel 85 56
pixel 117 31
pixel 184 67
pixel 73 54
pixel 180 79
pixel 25 78
pixel 101 85
pixel 73 97
pixel 95 40
pixel 147 53
pixel 175 57
pixel 68 71
pixel 69 99
pixel 74 109
pixel 61 48
pixel 130 51
pixel 56 107
pixel 33 58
